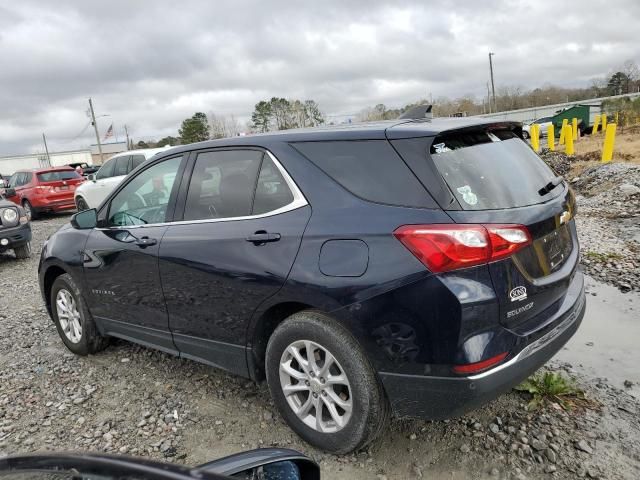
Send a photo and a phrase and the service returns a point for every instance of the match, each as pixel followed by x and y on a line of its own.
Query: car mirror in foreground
pixel 267 464
pixel 85 220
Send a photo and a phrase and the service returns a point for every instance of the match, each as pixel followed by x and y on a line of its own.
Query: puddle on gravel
pixel 607 344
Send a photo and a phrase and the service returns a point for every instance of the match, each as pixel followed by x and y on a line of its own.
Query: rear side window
pixel 370 169
pixel 492 170
pixel 106 170
pixel 222 184
pixel 58 176
pixel 136 161
pixel 122 166
pixel 272 191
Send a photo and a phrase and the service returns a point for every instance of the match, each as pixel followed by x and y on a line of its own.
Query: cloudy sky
pixel 151 64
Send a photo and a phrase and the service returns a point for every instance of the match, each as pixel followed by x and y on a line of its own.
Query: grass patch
pixel 551 387
pixel 602 257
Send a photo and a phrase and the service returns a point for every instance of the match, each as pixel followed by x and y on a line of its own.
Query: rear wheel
pixel 323 384
pixel 29 210
pixel 81 204
pixel 75 324
pixel 23 252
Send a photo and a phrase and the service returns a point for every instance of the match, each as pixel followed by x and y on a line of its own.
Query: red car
pixel 44 189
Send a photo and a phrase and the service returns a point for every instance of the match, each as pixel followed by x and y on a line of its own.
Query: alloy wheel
pixel 68 316
pixel 315 386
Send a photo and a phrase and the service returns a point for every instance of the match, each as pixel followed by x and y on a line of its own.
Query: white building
pixel 9 164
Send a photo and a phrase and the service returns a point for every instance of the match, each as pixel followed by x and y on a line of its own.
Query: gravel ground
pixel 133 400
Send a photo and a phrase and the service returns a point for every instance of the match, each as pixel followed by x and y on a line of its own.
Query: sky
pixel 151 64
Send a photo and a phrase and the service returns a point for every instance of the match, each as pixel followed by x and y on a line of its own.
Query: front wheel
pixel 73 320
pixel 23 252
pixel 81 204
pixel 323 385
pixel 29 210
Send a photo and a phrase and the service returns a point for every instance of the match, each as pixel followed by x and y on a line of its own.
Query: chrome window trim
pixel 299 201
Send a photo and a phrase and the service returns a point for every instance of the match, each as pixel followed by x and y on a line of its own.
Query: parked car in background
pixel 44 190
pixel 419 268
pixel 15 230
pixel 542 122
pixel 109 175
pixel 86 168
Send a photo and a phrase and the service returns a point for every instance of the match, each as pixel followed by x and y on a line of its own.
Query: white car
pixel 542 122
pixel 92 192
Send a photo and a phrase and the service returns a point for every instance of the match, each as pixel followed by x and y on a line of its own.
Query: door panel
pixel 124 283
pixel 213 279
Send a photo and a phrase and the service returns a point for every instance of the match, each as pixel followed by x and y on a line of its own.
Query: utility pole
pixel 46 149
pixel 493 86
pixel 126 131
pixel 95 127
pixel 488 97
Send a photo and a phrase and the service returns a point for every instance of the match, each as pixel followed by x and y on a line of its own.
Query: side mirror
pixel 85 220
pixel 92 177
pixel 10 192
pixel 267 463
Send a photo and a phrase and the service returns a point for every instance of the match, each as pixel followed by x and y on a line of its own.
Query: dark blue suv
pixel 410 267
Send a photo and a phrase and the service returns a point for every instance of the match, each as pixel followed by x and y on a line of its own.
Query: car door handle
pixel 144 242
pixel 261 237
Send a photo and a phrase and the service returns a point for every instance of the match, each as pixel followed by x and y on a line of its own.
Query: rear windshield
pixel 58 176
pixel 492 170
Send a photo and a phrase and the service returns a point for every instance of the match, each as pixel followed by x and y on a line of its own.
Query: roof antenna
pixel 419 112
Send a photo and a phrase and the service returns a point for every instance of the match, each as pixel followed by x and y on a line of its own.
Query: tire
pixel 81 204
pixel 23 252
pixel 88 340
pixel 29 210
pixel 369 412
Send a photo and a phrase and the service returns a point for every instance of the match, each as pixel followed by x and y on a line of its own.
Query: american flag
pixel 109 132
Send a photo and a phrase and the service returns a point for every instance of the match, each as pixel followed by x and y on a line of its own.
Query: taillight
pixel 451 246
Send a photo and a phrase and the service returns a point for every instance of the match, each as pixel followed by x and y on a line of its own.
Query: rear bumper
pixel 45 205
pixel 445 397
pixel 17 236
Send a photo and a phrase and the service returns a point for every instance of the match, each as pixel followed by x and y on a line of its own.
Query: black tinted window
pixel 272 191
pixel 106 170
pixel 370 169
pixel 58 176
pixel 136 161
pixel 222 184
pixel 484 172
pixel 122 166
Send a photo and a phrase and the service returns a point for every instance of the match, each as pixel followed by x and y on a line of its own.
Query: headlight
pixel 9 216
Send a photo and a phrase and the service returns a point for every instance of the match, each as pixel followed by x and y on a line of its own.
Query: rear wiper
pixel 550 186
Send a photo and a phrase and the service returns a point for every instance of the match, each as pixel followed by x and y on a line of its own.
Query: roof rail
pixel 419 112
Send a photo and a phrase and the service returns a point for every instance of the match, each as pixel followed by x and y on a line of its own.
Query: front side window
pixel 136 161
pixel 222 184
pixel 145 198
pixel 13 181
pixel 106 170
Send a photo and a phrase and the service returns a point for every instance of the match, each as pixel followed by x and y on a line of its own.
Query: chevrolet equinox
pixel 411 267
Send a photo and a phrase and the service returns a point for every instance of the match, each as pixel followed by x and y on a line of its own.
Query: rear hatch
pixel 59 184
pixel 496 178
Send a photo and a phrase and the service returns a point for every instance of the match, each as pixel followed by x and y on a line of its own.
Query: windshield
pixel 492 170
pixel 58 176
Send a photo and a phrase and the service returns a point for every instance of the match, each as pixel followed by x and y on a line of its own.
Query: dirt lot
pixel 133 400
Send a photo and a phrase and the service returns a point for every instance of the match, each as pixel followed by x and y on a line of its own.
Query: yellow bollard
pixel 596 124
pixel 535 137
pixel 574 125
pixel 565 122
pixel 568 139
pixel 604 121
pixel 551 139
pixel 609 139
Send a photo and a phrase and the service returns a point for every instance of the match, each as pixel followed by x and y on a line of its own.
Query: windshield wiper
pixel 550 186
